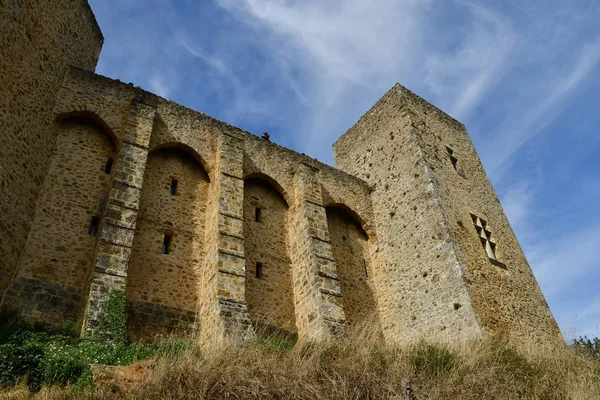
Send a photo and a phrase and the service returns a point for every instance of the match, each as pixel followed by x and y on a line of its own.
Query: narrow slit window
pixel 93 230
pixel 257 214
pixel 453 158
pixel 166 244
pixel 173 188
pixel 259 271
pixel 365 268
pixel 109 165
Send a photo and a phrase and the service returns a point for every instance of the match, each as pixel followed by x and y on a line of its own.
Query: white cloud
pixel 351 52
pixel 515 132
pixel 462 77
pixel 159 86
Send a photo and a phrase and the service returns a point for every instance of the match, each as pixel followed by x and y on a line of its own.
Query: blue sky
pixel 524 77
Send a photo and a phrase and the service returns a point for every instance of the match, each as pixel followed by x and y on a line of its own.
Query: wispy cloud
pixel 514 133
pixel 461 77
pixel 193 47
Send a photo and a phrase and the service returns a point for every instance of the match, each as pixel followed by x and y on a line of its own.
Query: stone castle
pixel 206 227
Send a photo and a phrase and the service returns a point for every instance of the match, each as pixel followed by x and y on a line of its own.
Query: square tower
pixel 448 266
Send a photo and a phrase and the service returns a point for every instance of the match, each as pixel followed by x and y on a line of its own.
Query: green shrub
pixel 42 358
pixel 587 346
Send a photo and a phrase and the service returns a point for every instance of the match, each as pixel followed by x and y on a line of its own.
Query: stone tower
pixel 448 264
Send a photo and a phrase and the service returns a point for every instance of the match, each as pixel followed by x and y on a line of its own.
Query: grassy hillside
pixel 359 368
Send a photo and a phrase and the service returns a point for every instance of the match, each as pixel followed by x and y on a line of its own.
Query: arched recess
pixel 56 266
pixel 350 245
pixel 269 293
pixel 169 245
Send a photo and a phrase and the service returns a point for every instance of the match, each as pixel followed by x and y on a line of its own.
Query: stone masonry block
pixel 112 259
pixel 139 128
pixel 231 156
pixel 322 249
pixel 232 264
pixel 131 164
pixel 331 286
pixel 231 226
pixel 231 286
pixel 125 195
pixel 121 216
pixel 231 199
pixel 117 235
pixel 232 244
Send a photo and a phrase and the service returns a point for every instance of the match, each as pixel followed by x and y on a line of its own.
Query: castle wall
pixel 38 39
pixel 163 288
pixel 397 202
pixel 353 265
pixel 269 292
pixel 418 276
pixel 56 264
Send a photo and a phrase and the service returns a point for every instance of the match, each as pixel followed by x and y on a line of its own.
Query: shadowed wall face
pixel 268 271
pixel 38 39
pixel 56 265
pixel 168 249
pixel 350 246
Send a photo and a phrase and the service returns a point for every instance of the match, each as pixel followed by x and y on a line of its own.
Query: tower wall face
pixel 38 39
pixel 503 290
pixel 416 269
pixel 426 171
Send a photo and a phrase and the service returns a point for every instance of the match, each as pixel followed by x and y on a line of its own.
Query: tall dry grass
pixel 356 368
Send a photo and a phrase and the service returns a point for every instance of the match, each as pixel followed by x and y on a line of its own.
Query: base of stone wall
pixel 45 303
pixel 149 321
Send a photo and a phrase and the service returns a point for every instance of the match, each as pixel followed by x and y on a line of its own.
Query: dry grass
pixel 356 369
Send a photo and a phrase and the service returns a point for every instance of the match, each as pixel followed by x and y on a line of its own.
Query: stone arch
pixel 58 260
pixel 350 245
pixel 269 293
pixel 169 244
pixel 186 148
pixel 272 182
pixel 92 116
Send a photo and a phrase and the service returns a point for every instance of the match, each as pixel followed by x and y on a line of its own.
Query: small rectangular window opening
pixel 173 188
pixel 259 270
pixel 94 226
pixel 257 214
pixel 365 268
pixel 166 244
pixel 109 165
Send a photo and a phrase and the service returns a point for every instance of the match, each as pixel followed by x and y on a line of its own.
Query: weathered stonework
pixel 212 230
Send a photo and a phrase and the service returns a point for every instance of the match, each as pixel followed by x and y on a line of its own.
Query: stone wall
pixel 385 240
pixel 56 264
pixel 38 39
pixel 163 288
pixel 269 292
pixel 353 264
